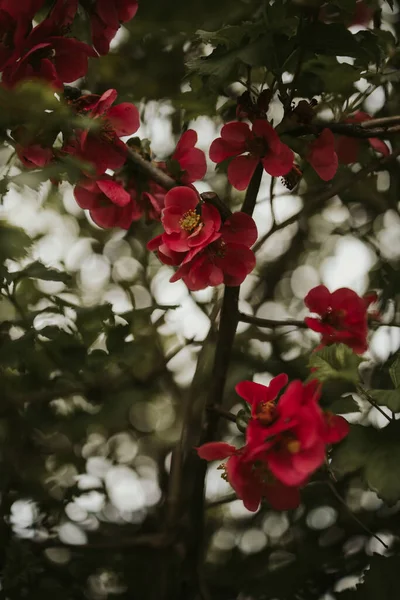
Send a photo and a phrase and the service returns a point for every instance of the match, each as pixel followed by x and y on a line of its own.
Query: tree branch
pixel 357 130
pixel 152 172
pixel 272 323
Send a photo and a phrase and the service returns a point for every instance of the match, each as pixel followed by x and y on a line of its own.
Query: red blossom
pixel 34 155
pixel 226 259
pixel 347 148
pixel 322 156
pixel 13 31
pixel 109 204
pixel 25 9
pixel 192 160
pixel 343 316
pixel 261 144
pixel 102 146
pixel 188 223
pixel 362 14
pixel 251 481
pixel 292 442
pixel 148 204
pixel 106 18
pixel 55 59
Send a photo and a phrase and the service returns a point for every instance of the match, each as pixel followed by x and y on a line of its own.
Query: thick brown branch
pixel 152 172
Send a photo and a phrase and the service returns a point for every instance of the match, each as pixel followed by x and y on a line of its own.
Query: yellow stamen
pixel 190 220
pixel 293 446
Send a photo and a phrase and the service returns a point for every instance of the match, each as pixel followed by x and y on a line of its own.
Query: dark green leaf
pixel 354 451
pixel 334 39
pixel 337 361
pixel 382 471
pixel 389 398
pixel 38 270
pixel 14 243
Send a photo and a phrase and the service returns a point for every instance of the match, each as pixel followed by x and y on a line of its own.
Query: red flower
pixel 148 204
pixel 293 443
pixel 226 259
pixel 34 156
pixel 21 10
pixel 12 33
pixel 102 146
pixel 362 14
pixel 106 18
pixel 322 156
pixel 107 201
pixel 262 397
pixel 55 59
pixel 251 481
pixel 262 143
pixel 191 160
pixel 343 316
pixel 188 223
pixel 347 148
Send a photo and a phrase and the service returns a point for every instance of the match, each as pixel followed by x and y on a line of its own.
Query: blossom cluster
pixel 286 440
pixel 207 250
pixel 47 52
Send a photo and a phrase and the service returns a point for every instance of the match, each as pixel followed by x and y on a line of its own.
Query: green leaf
pixel 354 451
pixel 38 270
pixel 14 242
pixel 90 321
pixel 334 39
pixel 337 361
pixel 382 471
pixel 389 398
pixel 326 74
pixel 374 46
pixel 394 371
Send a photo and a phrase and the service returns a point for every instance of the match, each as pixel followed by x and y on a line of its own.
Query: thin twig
pixel 349 129
pixel 353 516
pixel 363 392
pixel 272 323
pixel 313 201
pixel 150 540
pixel 226 414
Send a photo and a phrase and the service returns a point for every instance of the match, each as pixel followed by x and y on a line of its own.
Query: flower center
pixel 261 473
pixel 257 146
pixel 190 220
pixel 216 249
pixel 334 318
pixel 266 412
pixel 293 446
pixel 107 132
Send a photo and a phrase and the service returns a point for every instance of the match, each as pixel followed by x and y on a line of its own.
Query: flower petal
pixel 215 450
pixel 240 171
